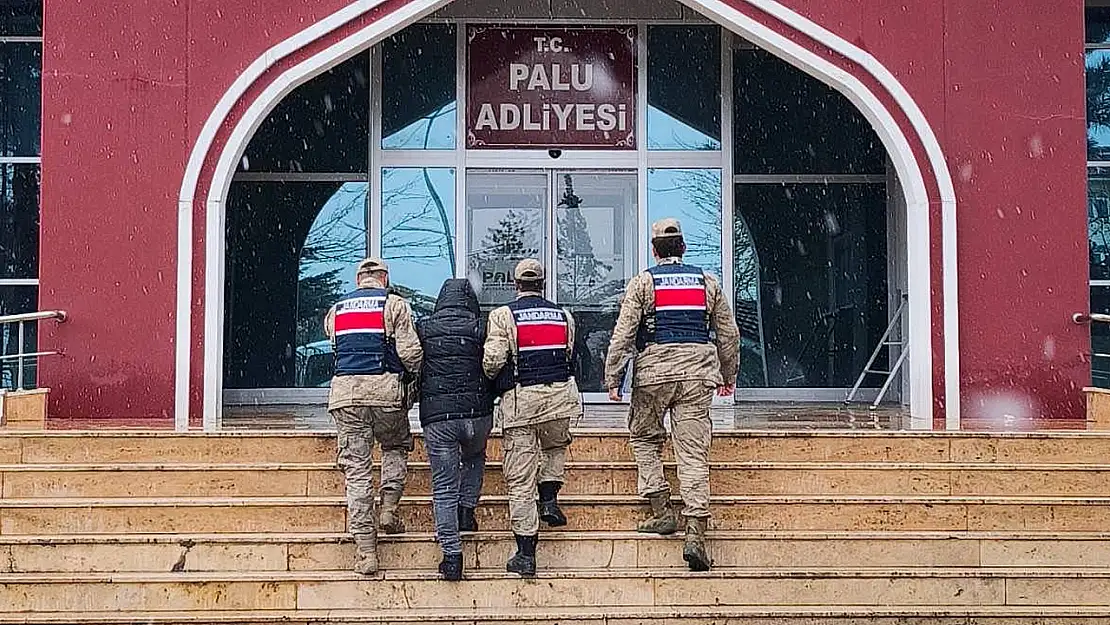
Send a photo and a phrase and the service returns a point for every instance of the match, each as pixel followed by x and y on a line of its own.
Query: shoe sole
pixel 529 574
pixel 553 521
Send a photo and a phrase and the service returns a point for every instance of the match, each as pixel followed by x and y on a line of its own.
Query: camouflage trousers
pixel 688 402
pixel 358 427
pixel 533 454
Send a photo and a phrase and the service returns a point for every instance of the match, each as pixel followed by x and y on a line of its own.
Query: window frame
pixel 30 367
pixel 26 160
pixel 1092 166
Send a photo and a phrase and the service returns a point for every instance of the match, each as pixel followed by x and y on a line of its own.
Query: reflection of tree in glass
pixel 509 239
pixel 315 294
pixel 581 273
pixel 422 304
pixel 338 239
pixel 1098 103
pixel 414 230
pixel 441 210
pixel 701 192
pixel 1098 227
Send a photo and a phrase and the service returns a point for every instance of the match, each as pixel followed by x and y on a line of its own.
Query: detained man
pixel 456 412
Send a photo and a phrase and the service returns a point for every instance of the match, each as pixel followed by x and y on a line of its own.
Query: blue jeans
pixel 457 453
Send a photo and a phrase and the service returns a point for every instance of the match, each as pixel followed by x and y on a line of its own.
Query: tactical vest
pixel 681 314
pixel 361 346
pixel 541 338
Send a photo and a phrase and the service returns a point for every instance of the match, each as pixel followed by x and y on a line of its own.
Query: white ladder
pixel 886 341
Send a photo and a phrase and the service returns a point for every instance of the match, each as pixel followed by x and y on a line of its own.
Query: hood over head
pixel 457 293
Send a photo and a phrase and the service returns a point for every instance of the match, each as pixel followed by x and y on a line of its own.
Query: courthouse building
pixel 193 183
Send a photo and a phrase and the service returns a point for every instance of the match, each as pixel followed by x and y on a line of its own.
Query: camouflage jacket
pixel 385 390
pixel 715 363
pixel 527 405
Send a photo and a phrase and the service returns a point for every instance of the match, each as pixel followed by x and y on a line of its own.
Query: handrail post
pixel 21 355
pixel 20 358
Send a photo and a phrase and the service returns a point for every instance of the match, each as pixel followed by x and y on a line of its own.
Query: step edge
pixel 582 432
pixel 568 536
pixel 419 615
pixel 629 499
pixel 428 575
pixel 570 464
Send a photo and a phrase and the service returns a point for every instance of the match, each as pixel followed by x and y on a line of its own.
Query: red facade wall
pixel 115 135
pixel 125 94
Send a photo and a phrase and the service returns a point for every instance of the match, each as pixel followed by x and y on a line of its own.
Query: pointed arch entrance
pixel 910 144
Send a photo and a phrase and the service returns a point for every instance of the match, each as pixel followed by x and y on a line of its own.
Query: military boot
pixel 523 561
pixel 693 552
pixel 366 554
pixel 663 519
pixel 468 522
pixel 451 567
pixel 391 519
pixel 550 512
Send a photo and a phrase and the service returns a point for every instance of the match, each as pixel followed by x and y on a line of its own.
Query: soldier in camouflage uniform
pixel 377 353
pixel 528 354
pixel 677 326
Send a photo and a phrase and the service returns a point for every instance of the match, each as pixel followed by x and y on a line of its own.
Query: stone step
pixel 614 615
pixel 583 478
pixel 557 551
pixel 598 589
pixel 589 446
pixel 585 513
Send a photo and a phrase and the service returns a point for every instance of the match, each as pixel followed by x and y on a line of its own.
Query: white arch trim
pixel 947 192
pixel 183 334
pixel 890 133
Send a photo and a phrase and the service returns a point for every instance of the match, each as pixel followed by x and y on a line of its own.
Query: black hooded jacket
pixel 452 385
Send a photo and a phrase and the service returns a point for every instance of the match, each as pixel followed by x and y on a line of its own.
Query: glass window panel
pixel 746 298
pixel 595 245
pixel 506 223
pixel 15 300
pixel 292 249
pixel 19 220
pixel 1098 24
pixel 322 126
pixel 20 98
pixel 787 122
pixel 1100 338
pixel 418 88
pixel 418 232
pixel 21 18
pixel 820 284
pixel 1098 221
pixel 693 196
pixel 684 88
pixel 1098 105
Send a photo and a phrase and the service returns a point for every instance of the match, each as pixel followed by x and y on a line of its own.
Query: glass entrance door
pixel 581 224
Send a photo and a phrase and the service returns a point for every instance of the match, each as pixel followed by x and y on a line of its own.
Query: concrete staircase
pixel 812 527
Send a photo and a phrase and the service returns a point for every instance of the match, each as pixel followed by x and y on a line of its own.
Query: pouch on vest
pixel 505 380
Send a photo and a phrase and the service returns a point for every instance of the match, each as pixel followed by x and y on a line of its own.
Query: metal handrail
pixel 60 315
pixel 21 320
